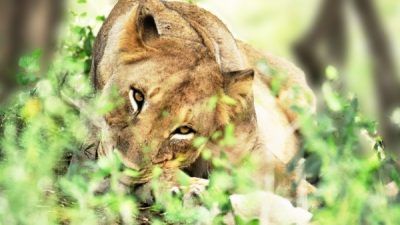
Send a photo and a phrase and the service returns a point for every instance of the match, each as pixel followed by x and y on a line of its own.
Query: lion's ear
pixel 146 26
pixel 238 84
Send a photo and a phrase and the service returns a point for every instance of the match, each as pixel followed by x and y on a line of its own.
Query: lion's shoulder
pixel 287 82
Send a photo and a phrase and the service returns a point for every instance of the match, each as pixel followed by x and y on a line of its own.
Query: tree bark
pixel 385 74
pixel 329 29
pixel 25 25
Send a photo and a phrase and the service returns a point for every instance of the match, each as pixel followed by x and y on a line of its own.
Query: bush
pixel 42 128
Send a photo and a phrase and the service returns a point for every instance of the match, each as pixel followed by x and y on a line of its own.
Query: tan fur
pixel 191 58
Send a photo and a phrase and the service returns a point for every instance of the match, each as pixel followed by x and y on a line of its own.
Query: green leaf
pixel 199 141
pixel 229 135
pixel 331 73
pixel 332 98
pixel 100 18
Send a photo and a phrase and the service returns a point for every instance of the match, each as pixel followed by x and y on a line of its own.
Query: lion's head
pixel 168 61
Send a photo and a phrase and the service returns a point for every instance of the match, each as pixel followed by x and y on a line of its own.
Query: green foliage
pixel 81 40
pixel 40 132
pixel 41 129
pixel 30 66
pixel 353 182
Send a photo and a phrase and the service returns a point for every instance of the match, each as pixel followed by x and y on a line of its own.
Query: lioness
pixel 167 60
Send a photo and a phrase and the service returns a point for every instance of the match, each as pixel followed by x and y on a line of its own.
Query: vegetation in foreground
pixel 356 179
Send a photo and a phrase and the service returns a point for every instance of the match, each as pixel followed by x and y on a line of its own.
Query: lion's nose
pixel 104 186
pixel 143 191
pixel 144 194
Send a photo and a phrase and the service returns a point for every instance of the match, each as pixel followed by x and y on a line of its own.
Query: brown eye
pixel 136 99
pixel 139 96
pixel 183 130
pixel 183 133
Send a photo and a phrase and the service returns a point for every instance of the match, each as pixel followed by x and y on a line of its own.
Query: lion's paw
pixel 191 194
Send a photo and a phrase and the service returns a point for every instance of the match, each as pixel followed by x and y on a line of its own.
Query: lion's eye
pixel 183 133
pixel 184 130
pixel 137 99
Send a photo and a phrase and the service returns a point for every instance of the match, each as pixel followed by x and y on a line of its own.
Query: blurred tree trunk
pixel 329 31
pixel 385 74
pixel 325 44
pixel 25 25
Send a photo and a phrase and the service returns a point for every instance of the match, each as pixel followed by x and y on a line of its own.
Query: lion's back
pixel 273 105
